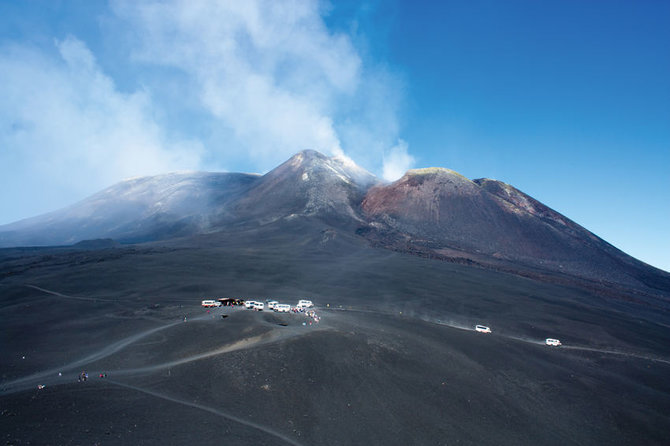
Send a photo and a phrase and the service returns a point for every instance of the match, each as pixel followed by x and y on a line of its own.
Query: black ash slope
pixel 393 361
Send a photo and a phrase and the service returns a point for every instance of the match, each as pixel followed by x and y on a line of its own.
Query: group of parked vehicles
pixel 549 341
pixel 260 306
pixel 276 306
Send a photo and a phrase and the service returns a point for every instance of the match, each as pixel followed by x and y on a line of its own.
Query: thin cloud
pixel 68 131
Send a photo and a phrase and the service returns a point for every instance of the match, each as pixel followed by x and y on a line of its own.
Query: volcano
pixel 400 275
pixel 433 212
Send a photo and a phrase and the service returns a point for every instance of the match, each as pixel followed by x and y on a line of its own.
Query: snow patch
pixel 338 173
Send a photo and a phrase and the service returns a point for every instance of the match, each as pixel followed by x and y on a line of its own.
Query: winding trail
pixel 51 377
pixel 210 410
pixel 30 381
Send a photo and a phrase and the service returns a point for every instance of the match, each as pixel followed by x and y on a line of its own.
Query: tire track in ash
pixel 54 293
pixel 458 326
pixel 99 299
pixel 615 352
pixel 210 410
pixel 92 299
pixel 566 347
pixel 632 355
pixel 242 344
pixel 65 296
pixel 445 323
pixel 569 347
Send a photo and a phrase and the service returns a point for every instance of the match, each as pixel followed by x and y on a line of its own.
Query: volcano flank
pixel 400 273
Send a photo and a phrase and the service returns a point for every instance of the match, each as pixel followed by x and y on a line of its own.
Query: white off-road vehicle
pixel 482 329
pixel 302 303
pixel 210 303
pixel 553 342
pixel 282 308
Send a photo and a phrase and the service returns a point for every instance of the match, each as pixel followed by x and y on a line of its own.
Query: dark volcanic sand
pixel 387 364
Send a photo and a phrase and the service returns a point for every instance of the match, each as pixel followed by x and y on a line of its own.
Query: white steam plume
pixel 67 131
pixel 272 74
pixel 397 161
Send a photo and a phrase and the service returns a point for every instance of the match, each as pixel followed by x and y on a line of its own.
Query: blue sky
pixel 568 101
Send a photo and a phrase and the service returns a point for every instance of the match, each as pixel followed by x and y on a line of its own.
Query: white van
pixel 210 303
pixel 258 306
pixel 302 303
pixel 482 329
pixel 249 304
pixel 553 342
pixel 272 304
pixel 282 308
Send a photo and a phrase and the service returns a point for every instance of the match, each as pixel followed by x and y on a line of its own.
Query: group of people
pixel 83 376
pixel 312 314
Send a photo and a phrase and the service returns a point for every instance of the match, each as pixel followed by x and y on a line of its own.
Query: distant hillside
pixel 136 210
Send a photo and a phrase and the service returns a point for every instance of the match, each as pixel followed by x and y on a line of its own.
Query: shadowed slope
pixel 394 360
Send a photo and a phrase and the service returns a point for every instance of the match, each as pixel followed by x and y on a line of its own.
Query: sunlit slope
pixel 437 212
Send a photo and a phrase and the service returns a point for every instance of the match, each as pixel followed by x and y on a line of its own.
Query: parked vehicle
pixel 282 308
pixel 210 303
pixel 482 329
pixel 553 342
pixel 249 304
pixel 302 303
pixel 272 304
pixel 258 306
